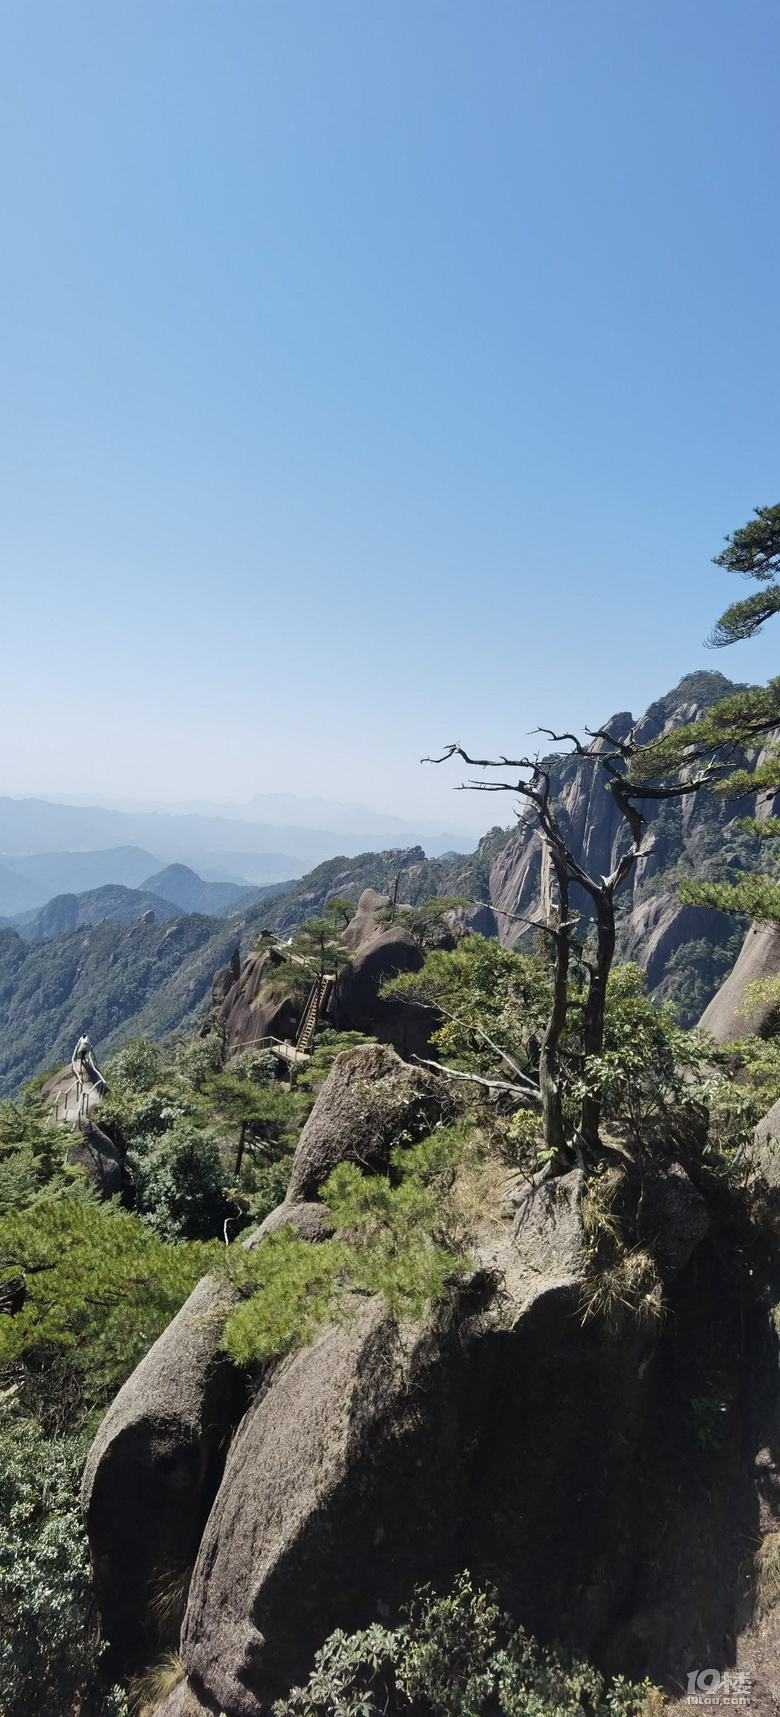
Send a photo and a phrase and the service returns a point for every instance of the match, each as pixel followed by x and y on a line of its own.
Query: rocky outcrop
pixel 364 922
pixel 672 1217
pixel 507 1438
pixel 224 979
pixel 353 1475
pixel 369 1101
pixel 358 1006
pixel 309 1220
pixel 656 925
pixel 94 1152
pixel 577 1466
pixel 249 1013
pixel 70 1098
pixel 660 925
pixel 74 1104
pixel 153 1471
pixel 245 1011
pixel 759 957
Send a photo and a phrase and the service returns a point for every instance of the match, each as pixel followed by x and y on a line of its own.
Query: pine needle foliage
pixel 86 1289
pixel 394 1242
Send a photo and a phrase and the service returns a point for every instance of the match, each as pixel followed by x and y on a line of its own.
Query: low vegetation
pixel 458 1655
pixel 399 1240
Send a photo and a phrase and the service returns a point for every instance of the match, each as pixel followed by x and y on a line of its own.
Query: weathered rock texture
pixel 248 1012
pixel 364 924
pixel 609 1484
pixel 154 1468
pixel 656 925
pixel 103 1164
pixel 509 1439
pixel 245 1011
pixel 356 1471
pixel 369 1100
pixel 74 1108
pixel 759 958
pixel 357 1005
pixel 310 1222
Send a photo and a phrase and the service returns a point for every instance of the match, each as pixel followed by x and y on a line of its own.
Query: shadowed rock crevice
pixel 153 1472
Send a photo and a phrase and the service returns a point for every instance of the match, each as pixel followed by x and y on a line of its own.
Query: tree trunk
pixel 549 1070
pixel 240 1151
pixel 593 1017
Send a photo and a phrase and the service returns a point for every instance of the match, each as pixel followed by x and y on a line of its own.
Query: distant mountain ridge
pixel 115 980
pixel 265 852
pixel 383 830
pixel 192 894
pixel 74 911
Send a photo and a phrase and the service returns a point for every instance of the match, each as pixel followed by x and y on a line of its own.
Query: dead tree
pixel 534 785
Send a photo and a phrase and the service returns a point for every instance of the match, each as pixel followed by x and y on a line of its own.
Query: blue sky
pixel 375 373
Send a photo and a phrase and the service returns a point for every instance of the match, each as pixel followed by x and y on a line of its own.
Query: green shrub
pixel 395 1242
pixel 293 1289
pixel 31 1151
pixel 328 1044
pixel 181 1183
pixel 268 1189
pixel 648 1064
pixel 457 1654
pixel 49 1648
pixel 86 1290
pixel 258 1065
pixel 493 1000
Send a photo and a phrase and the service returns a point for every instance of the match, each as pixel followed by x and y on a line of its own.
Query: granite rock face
pixel 357 1005
pixel 249 1013
pixel 759 957
pixel 154 1468
pixel 656 925
pixel 370 1097
pixel 508 1433
pixel 357 1472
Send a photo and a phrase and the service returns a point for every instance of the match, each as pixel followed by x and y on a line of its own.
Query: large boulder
pixel 759 957
pixel 92 1150
pixel 153 1471
pixel 309 1221
pixel 357 1005
pixel 224 979
pixel 672 1217
pixel 370 1098
pixel 499 1438
pixel 364 922
pixel 249 1012
pixel 70 1098
pixel 74 1104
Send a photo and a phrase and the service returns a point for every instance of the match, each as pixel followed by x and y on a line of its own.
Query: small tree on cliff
pixel 749 718
pixel 708 753
pixel 611 758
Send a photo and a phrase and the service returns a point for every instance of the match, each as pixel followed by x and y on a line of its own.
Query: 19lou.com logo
pixel 718 1687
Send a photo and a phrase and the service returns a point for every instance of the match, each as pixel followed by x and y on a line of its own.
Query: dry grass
pixel 628 1289
pixel 168 1597
pixel 147 1691
pixel 478 1188
pixel 599 1209
pixel 766 1572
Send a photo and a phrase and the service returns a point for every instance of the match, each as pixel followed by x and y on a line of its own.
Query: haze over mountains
pixel 53 847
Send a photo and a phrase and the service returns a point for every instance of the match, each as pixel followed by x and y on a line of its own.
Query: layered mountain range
pixel 117 961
